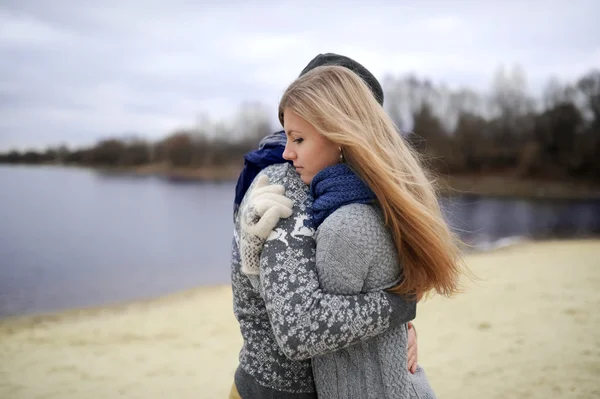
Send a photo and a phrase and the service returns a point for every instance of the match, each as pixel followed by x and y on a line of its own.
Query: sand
pixel 530 328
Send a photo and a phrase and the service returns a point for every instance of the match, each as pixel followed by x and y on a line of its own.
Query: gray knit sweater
pixel 294 319
pixel 355 253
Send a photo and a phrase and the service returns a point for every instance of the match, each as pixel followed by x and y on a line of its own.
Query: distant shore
pixel 531 319
pixel 484 185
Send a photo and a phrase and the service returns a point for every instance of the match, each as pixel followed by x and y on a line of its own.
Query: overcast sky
pixel 76 71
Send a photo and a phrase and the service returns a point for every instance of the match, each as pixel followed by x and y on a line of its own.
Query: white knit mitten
pixel 263 209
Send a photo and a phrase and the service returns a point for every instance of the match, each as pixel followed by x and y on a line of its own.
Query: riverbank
pixel 527 329
pixel 491 185
pixel 510 186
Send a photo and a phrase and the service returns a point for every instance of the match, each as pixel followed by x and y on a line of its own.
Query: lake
pixel 72 237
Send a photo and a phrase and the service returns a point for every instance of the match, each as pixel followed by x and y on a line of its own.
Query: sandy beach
pixel 529 328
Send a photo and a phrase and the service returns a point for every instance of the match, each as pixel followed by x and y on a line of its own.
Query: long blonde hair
pixel 341 107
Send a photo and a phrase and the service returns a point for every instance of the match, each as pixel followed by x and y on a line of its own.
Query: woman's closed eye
pixel 298 140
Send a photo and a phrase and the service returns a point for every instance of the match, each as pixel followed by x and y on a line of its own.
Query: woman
pixel 281 333
pixel 374 209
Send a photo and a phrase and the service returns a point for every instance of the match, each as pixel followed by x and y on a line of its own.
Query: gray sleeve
pixel 355 253
pixel 307 321
pixel 341 267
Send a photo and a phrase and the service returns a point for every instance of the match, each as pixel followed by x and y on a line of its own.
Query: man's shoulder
pixel 278 173
pixel 286 175
pixel 299 193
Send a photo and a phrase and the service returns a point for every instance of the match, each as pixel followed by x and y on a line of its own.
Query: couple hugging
pixel 338 234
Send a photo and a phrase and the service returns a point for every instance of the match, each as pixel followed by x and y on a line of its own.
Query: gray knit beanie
pixel 336 59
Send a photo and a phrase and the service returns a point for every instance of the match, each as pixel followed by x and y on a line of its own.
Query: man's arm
pixel 306 320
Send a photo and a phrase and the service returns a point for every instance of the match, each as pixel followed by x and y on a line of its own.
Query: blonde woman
pixel 265 370
pixel 377 225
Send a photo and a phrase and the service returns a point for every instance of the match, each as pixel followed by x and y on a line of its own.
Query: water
pixel 76 238
pixel 71 237
pixel 484 221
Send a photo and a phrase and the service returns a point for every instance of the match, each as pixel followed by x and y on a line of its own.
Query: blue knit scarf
pixel 334 187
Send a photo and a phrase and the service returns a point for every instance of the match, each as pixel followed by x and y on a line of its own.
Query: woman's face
pixel 310 151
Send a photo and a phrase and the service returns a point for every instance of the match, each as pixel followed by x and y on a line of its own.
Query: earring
pixel 341 155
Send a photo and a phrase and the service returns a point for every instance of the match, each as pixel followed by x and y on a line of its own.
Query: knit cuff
pixel 403 310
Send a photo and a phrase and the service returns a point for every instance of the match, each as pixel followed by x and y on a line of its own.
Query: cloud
pixel 81 70
pixel 25 31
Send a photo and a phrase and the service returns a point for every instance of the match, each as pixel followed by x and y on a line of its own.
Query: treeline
pixel 206 145
pixel 504 131
pixel 184 148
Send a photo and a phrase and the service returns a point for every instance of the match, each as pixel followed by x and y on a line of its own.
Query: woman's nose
pixel 288 154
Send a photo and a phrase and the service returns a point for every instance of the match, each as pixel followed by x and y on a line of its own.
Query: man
pixel 275 357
